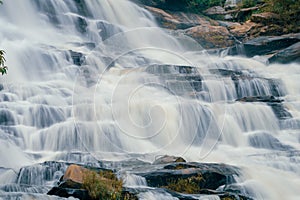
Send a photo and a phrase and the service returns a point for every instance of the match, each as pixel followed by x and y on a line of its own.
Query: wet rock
pixel 107 30
pixel 68 192
pixel 39 174
pixel 267 141
pixel 290 54
pixel 168 159
pixel 206 176
pixel 81 25
pixel 6 117
pixel 275 103
pixel 268 99
pixel 181 80
pixel 267 45
pixel 77 57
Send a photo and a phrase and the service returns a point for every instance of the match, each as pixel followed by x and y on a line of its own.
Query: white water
pixel 54 108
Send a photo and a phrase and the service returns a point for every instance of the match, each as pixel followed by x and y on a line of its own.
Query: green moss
pixel 190 185
pixel 103 185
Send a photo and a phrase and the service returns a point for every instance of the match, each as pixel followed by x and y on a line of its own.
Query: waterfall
pixel 93 80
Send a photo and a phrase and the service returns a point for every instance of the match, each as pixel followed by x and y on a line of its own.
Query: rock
pixel 74 173
pixel 275 103
pixel 168 159
pixel 267 141
pixel 6 117
pixel 187 77
pixel 81 25
pixel 67 192
pixel 177 20
pixel 265 18
pixel 107 30
pixel 268 99
pixel 77 57
pixel 1 87
pixel 266 45
pixel 290 54
pixel 205 175
pixel 210 36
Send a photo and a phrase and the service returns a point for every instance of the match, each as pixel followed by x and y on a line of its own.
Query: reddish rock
pixel 211 36
pixel 74 173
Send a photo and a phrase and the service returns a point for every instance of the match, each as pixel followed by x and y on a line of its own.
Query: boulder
pixel 178 20
pixel 201 175
pixel 290 54
pixel 69 192
pixel 168 159
pixel 74 173
pixel 209 36
pixel 267 141
pixel 266 45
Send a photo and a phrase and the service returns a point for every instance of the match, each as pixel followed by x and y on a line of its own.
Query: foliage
pixel 103 185
pixel 247 3
pixel 189 185
pixel 288 10
pixel 200 5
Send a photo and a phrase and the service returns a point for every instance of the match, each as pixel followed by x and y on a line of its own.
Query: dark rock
pixel 267 141
pixel 168 159
pixel 180 80
pixel 266 45
pixel 280 111
pixel 82 8
pixel 68 192
pixel 1 87
pixel 212 175
pixel 290 54
pixel 6 117
pixel 81 25
pixel 107 30
pixel 268 99
pixel 77 57
pixel 40 173
pixel 275 103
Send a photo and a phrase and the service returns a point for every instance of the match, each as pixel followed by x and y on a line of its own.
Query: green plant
pixel 288 10
pixel 103 185
pixel 190 185
pixel 200 5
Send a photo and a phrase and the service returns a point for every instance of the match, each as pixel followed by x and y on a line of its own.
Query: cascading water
pixel 93 80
